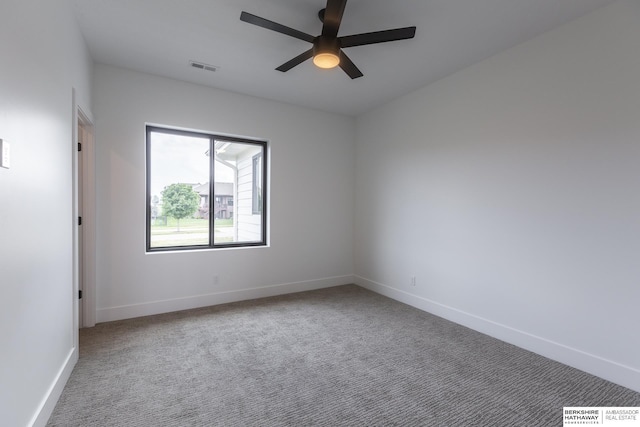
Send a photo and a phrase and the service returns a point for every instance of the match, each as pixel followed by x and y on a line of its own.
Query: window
pixel 185 171
pixel 256 188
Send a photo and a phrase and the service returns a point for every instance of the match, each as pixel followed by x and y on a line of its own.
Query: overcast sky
pixel 181 159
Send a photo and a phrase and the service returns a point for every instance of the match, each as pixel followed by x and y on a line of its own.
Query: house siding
pixel 249 224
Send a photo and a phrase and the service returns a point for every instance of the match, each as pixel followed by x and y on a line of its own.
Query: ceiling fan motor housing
pixel 326 45
pixel 326 52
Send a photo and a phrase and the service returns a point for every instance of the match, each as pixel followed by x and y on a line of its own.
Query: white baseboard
pixel 196 301
pixel 50 399
pixel 607 369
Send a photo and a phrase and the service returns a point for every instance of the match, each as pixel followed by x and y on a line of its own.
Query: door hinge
pixel 79 146
pixel 79 220
pixel 80 294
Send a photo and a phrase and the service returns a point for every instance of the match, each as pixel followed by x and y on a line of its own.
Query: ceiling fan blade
pixel 274 26
pixel 378 37
pixel 295 61
pixel 332 17
pixel 349 67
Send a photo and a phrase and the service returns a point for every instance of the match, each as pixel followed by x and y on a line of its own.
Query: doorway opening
pixel 84 208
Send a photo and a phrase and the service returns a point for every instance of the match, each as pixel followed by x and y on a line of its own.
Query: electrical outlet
pixel 413 280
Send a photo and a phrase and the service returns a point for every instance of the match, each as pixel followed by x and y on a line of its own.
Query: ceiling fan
pixel 327 50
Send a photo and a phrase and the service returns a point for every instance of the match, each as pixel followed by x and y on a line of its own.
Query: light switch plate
pixel 5 154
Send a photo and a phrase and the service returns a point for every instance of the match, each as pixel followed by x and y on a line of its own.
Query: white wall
pixel 43 57
pixel 511 190
pixel 311 195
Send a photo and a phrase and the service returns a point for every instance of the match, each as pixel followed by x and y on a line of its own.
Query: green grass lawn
pixel 193 231
pixel 191 223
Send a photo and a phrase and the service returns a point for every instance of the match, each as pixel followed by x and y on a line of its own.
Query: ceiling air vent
pixel 203 66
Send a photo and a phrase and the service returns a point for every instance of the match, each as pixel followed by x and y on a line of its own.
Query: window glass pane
pixel 235 174
pixel 257 184
pixel 179 190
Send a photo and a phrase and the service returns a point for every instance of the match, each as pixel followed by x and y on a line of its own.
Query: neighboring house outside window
pixel 223 206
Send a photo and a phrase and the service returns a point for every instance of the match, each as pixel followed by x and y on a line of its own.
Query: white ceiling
pixel 162 36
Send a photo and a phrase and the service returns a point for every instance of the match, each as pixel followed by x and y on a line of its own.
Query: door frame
pixel 84 204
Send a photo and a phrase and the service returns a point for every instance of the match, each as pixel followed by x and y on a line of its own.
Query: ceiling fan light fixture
pixel 326 60
pixel 326 52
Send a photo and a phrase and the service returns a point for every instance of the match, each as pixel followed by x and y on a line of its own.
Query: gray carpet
pixel 341 356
